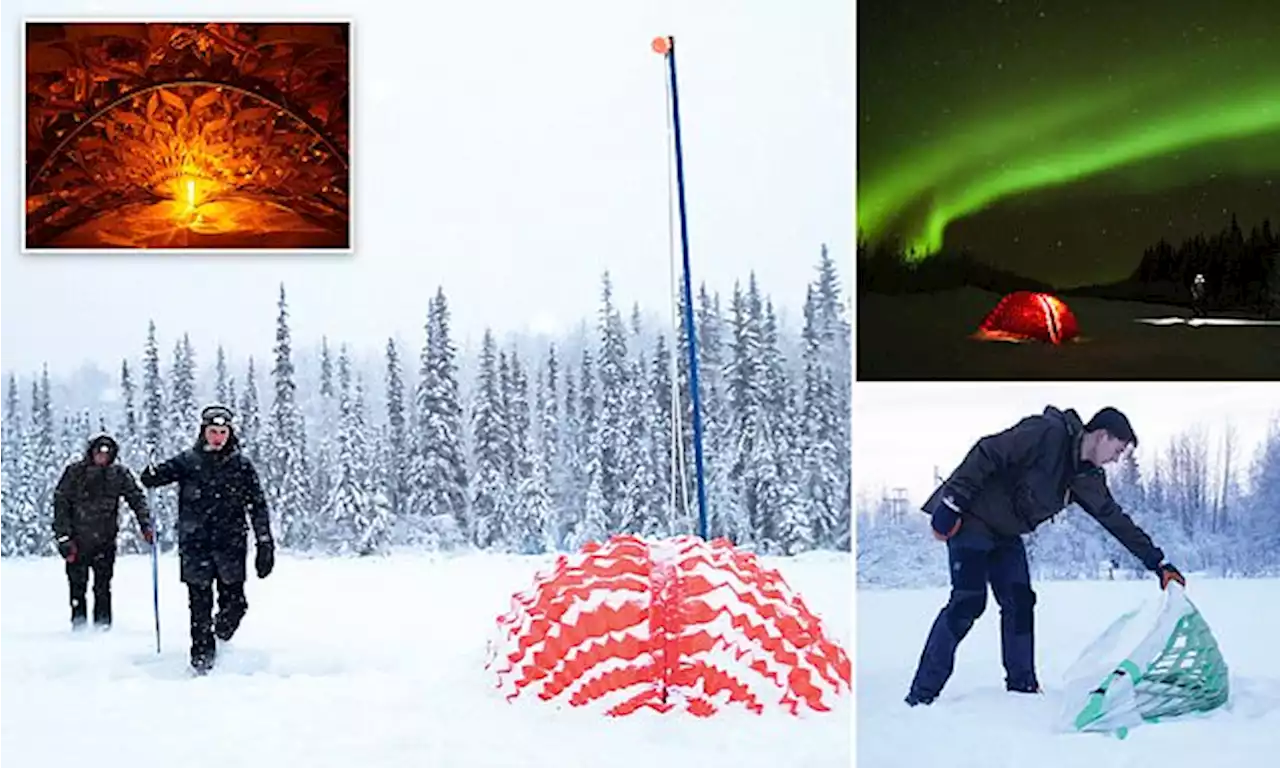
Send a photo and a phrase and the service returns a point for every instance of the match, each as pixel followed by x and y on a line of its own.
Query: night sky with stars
pixel 1060 139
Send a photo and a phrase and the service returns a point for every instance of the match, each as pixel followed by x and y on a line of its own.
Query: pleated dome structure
pixel 671 625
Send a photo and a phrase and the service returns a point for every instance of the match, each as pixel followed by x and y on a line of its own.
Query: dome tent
pixel 1029 316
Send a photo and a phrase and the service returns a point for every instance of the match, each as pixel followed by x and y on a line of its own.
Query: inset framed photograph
pixel 177 136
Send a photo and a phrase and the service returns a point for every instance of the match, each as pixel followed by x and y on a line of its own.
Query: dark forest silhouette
pixel 1242 272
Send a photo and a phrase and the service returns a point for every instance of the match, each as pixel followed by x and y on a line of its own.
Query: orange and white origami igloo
pixel 633 624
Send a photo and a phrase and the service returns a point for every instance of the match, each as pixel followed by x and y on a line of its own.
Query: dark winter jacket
pixel 1013 481
pixel 86 502
pixel 217 493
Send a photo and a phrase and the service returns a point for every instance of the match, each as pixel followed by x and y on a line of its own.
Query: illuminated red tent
pixel 1030 316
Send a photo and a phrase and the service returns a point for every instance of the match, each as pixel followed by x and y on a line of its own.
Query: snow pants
pixel 232 606
pixel 102 564
pixel 978 558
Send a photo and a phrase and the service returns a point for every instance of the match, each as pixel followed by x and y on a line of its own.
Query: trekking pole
pixel 155 593
pixel 155 568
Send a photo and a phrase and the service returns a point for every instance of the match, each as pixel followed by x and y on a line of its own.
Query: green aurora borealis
pixel 980 104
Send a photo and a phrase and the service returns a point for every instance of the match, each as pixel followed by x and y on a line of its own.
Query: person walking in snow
pixel 1198 296
pixel 218 490
pixel 86 521
pixel 1007 485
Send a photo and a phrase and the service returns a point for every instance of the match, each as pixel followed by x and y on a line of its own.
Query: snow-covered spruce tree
pixel 250 417
pixel 133 453
pixel 551 443
pixel 326 369
pixel 519 417
pixel 396 459
pixel 593 527
pixel 287 490
pixel 375 526
pixel 588 450
pixel 45 468
pixel 825 403
pixel 326 410
pixel 20 533
pixel 611 420
pixel 222 380
pixel 155 439
pixel 183 411
pixel 10 469
pixel 321 405
pixel 572 485
pixel 232 397
pixel 669 513
pixel 533 532
pixel 717 438
pixel 358 517
pixel 742 519
pixel 642 499
pixel 490 451
pixel 437 475
pixel 823 477
pixel 782 525
pixel 521 519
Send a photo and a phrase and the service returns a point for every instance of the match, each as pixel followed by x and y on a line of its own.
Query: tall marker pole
pixel 155 543
pixel 667 47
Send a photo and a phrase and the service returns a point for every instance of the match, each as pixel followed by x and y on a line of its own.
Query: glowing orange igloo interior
pixel 187 135
pixel 679 623
pixel 1029 316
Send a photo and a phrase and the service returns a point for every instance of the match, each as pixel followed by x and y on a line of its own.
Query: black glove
pixel 265 558
pixel 1168 573
pixel 67 548
pixel 945 518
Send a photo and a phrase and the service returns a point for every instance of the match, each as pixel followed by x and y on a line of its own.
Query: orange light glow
pixel 1029 316
pixel 661 45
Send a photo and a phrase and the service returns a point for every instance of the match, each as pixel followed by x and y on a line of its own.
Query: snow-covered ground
pixel 375 662
pixel 975 723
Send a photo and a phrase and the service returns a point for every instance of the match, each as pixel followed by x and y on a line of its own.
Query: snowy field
pixel 373 662
pixel 976 723
pixel 925 337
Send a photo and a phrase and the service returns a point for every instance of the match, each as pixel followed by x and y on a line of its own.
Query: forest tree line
pixel 1241 271
pixel 536 452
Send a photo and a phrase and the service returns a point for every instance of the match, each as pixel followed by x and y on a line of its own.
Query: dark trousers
pixel 102 563
pixel 232 607
pixel 977 559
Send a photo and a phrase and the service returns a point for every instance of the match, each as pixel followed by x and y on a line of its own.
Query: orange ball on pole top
pixel 661 45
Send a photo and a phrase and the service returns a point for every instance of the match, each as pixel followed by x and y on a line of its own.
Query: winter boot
pixel 232 607
pixel 79 613
pixel 101 610
pixel 203 648
pixel 202 663
pixel 914 699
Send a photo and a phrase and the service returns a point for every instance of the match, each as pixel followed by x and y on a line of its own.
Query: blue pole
pixel 694 389
pixel 155 543
pixel 155 592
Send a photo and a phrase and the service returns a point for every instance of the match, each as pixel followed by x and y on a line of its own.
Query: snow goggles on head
pixel 217 416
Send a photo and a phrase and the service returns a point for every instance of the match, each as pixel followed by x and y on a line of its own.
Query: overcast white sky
pixel 508 150
pixel 902 431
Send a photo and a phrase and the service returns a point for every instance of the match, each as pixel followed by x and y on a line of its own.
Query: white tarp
pixel 1116 661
